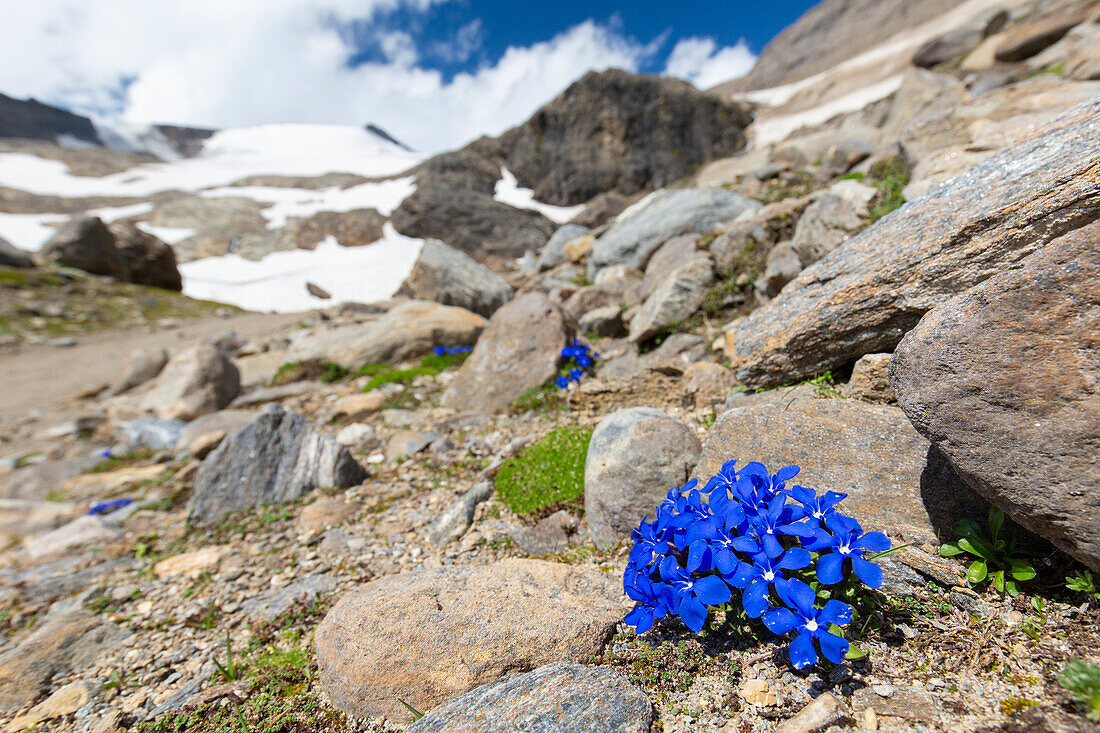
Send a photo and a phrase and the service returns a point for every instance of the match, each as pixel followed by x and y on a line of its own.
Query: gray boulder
pixel 406 331
pixel 634 458
pixel 958 41
pixel 12 256
pixel 677 297
pixel 86 244
pixel 1003 379
pixel 149 261
pixel 192 383
pixel 605 321
pixel 637 233
pixel 553 254
pixel 519 350
pixel 870 379
pixel 153 432
pixel 560 697
pixel 895 480
pixel 824 226
pixel 781 266
pixel 864 296
pixel 353 228
pixel 141 366
pixel 669 256
pixel 445 275
pixel 672 357
pixel 277 457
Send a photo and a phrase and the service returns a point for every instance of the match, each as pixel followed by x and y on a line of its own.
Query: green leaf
pixel 854 652
pixel 999 581
pixel 966 528
pixel 417 715
pixel 996 521
pixel 1021 570
pixel 977 572
pixel 979 547
pixel 950 549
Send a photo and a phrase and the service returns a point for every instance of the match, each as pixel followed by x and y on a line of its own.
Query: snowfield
pixel 508 192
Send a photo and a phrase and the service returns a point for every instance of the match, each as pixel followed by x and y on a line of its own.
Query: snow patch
pixel 28 231
pixel 775 129
pixel 507 191
pixel 114 213
pixel 168 235
pixel 278 281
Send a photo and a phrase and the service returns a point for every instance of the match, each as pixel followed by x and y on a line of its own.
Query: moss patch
pixel 547 475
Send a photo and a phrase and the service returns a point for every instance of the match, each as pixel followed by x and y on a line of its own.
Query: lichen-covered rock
pixel 865 295
pixel 279 456
pixel 634 457
pixel 428 636
pixel 1003 379
pixel 557 698
pixel 519 350
pixel 445 275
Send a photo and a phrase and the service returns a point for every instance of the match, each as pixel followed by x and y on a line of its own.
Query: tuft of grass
pixel 401 376
pixel 1082 680
pixel 430 365
pixel 548 474
pixel 332 372
pixel 115 463
pixel 890 177
pixel 300 371
pixel 547 398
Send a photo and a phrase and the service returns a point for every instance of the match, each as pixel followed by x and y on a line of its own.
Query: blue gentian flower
pixel 650 542
pixel 848 542
pixel 778 519
pixel 649 605
pixel 106 507
pixel 688 596
pixel 439 350
pixel 756 578
pixel 817 507
pixel 562 381
pixel 810 623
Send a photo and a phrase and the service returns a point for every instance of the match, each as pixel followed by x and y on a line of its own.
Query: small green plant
pixel 547 474
pixel 1083 581
pixel 417 715
pixel 890 177
pixel 540 399
pixel 403 376
pixel 229 670
pixel 430 365
pixel 332 372
pixel 1082 680
pixel 995 556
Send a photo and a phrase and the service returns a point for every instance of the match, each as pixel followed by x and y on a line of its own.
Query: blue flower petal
pixel 711 590
pixel 873 541
pixel 780 620
pixel 697 553
pixel 755 599
pixel 787 473
pixel 833 647
pixel 641 618
pixel 693 613
pixel 868 572
pixel 802 652
pixel 830 568
pixel 795 558
pixel 797 595
pixel 743 575
pixel 835 612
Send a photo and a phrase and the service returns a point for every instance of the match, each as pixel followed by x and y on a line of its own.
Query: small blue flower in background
pixel 749 540
pixel 105 453
pixel 578 358
pixel 107 507
pixel 451 350
pixel 810 622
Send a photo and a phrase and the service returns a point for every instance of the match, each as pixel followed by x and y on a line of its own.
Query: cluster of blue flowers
pixel 742 535
pixel 579 357
pixel 451 350
pixel 107 507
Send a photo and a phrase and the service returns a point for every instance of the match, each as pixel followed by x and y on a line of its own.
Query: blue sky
pixel 435 73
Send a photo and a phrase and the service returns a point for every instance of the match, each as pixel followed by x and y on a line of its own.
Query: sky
pixel 434 73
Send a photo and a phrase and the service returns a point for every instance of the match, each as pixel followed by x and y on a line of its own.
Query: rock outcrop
pixel 445 275
pixel 1003 380
pixel 865 295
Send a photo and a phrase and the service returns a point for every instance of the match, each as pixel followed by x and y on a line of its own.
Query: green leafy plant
pixel 995 556
pixel 1082 680
pixel 1083 581
pixel 332 372
pixel 229 670
pixel 547 474
pixel 430 365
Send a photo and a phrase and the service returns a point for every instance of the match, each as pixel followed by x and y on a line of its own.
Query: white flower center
pixel 811 625
pixel 844 549
pixel 818 515
pixel 769 576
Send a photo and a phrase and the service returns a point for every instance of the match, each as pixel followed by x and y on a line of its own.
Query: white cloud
pixel 460 48
pixel 700 61
pixel 223 63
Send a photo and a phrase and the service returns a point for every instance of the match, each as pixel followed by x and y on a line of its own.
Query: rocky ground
pixel 320 522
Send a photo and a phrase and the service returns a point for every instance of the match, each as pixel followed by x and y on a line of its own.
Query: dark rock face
pixel 614 130
pixel 12 256
pixel 557 698
pixel 961 40
pixel 149 261
pixel 350 228
pixel 430 635
pixel 471 221
pixel 445 275
pixel 276 457
pixel 33 120
pixel 895 481
pixel 865 295
pixel 86 244
pixel 1003 379
pixel 519 350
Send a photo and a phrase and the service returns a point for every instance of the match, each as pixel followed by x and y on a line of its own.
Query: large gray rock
pixel 557 698
pixel 824 225
pixel 677 297
pixel 428 636
pixel 614 130
pixel 194 382
pixel 408 330
pixel 673 356
pixel 553 254
pixel 279 456
pixel 637 233
pixel 895 481
pixel 669 256
pixel 958 41
pixel 864 296
pixel 519 350
pixel 141 366
pixel 634 458
pixel 353 228
pixel 86 244
pixel 781 266
pixel 12 256
pixel 445 275
pixel 1003 379
pixel 148 260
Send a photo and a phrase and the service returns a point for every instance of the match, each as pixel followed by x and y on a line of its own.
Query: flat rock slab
pixel 866 294
pixel 1004 381
pixel 896 483
pixel 557 698
pixel 428 636
pixel 519 350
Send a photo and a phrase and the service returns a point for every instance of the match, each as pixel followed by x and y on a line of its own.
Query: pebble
pixel 883 690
